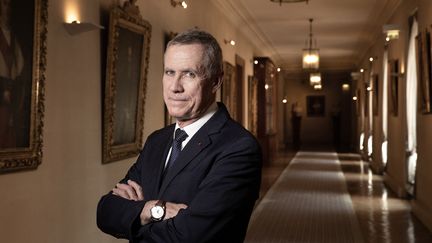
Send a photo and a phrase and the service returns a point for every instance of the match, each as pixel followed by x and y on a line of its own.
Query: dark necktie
pixel 179 137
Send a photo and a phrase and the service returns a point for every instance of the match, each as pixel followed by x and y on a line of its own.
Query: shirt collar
pixel 193 128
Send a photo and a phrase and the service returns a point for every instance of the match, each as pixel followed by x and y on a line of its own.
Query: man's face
pixel 187 92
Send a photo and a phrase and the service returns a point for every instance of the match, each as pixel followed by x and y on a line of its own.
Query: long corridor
pixel 330 197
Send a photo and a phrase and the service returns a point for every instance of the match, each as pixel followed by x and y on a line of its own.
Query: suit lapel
pixel 196 145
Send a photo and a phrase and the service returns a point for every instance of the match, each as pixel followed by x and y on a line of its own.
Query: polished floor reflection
pixel 381 216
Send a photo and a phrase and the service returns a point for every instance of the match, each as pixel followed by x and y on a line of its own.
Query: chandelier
pixel 310 54
pixel 288 1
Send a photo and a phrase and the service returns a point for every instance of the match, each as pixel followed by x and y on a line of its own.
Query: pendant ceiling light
pixel 310 54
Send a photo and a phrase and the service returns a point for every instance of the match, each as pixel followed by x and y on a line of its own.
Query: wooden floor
pixel 329 197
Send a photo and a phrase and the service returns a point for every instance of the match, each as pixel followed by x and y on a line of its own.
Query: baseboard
pixel 422 213
pixel 393 185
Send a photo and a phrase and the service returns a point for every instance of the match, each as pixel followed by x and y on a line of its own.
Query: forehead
pixel 182 52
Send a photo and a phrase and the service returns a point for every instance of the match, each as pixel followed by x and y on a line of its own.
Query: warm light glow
pixel 256 62
pixel 387 38
pixel 317 86
pixel 278 69
pixel 371 59
pixel 354 98
pixel 310 59
pixel 315 78
pixel 284 101
pixel 71 12
pixel 232 42
pixel 345 87
pixel 369 88
pixel 266 86
pixel 393 34
pixel 361 70
pixel 184 4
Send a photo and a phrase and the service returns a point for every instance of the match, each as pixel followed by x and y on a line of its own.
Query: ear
pixel 217 84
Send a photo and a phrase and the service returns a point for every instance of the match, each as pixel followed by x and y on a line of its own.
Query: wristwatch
pixel 157 212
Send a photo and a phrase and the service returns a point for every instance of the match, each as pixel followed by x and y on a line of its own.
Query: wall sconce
pixel 182 3
pixel 392 31
pixel 345 87
pixel 278 69
pixel 76 27
pixel 255 62
pixel 354 98
pixel 285 100
pixel 231 42
pixel 362 70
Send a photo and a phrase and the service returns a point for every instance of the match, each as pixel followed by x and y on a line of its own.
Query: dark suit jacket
pixel 217 174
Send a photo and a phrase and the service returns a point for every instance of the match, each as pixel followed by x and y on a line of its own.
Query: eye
pixel 169 72
pixel 190 74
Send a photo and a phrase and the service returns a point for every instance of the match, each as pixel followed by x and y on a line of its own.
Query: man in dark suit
pixel 196 180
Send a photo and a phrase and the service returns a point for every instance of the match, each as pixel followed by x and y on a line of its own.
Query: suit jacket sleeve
pixel 117 216
pixel 225 197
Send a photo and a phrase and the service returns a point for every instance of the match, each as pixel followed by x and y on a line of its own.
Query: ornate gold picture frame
pixel 229 89
pixel 125 84
pixel 22 85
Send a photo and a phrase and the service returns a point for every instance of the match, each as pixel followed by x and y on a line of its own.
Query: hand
pixel 171 210
pixel 130 191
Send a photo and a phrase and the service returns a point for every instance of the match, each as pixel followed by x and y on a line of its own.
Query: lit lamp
pixel 310 54
pixel 182 3
pixel 315 78
pixel 391 31
pixel 77 27
pixel 317 87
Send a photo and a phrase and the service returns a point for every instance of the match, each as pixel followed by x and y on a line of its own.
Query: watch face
pixel 157 212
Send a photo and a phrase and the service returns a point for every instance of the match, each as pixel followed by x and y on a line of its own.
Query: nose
pixel 176 84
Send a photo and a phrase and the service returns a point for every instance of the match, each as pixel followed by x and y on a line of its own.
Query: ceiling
pixel 344 30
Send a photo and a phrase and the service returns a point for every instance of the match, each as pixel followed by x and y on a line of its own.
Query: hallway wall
pixel 57 201
pixel 316 129
pixel 395 172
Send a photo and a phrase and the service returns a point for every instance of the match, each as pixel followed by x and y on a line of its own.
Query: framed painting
pixel 125 84
pixel 253 104
pixel 393 69
pixel 375 98
pixel 23 47
pixel 315 105
pixel 424 59
pixel 229 89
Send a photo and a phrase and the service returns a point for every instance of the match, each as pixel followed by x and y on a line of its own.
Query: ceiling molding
pixel 243 21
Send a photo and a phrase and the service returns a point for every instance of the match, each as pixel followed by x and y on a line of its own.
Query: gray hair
pixel 212 60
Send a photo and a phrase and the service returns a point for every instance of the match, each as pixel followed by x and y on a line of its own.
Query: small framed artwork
pixel 125 84
pixel 23 47
pixel 425 81
pixel 229 89
pixel 253 104
pixel 375 98
pixel 315 105
pixel 393 74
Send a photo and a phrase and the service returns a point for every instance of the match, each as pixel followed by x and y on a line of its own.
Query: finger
pixel 128 189
pixel 138 189
pixel 120 193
